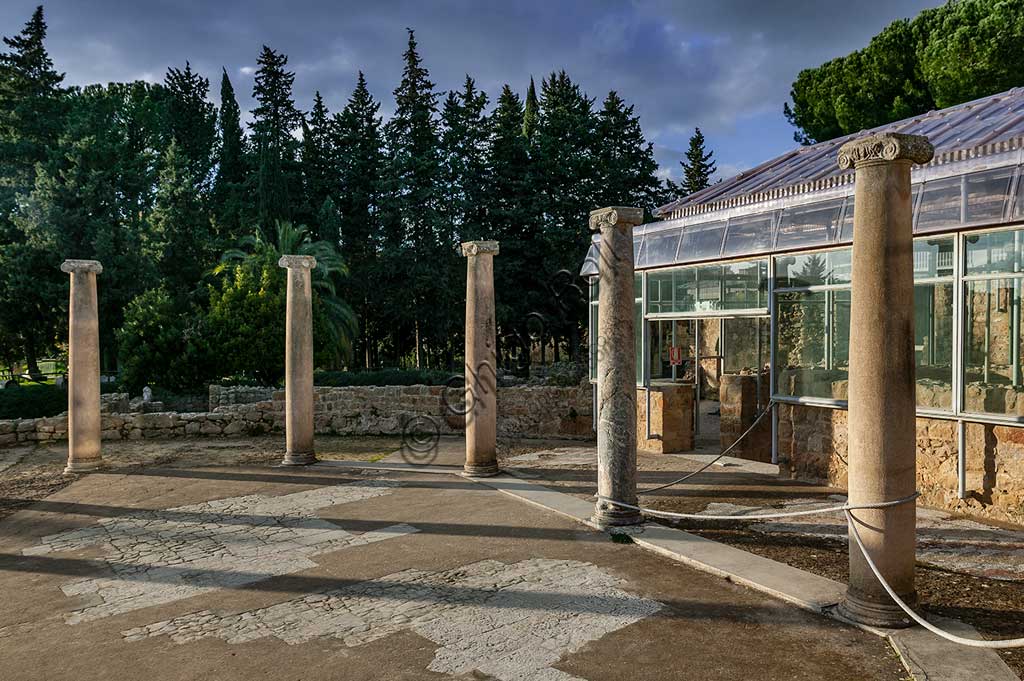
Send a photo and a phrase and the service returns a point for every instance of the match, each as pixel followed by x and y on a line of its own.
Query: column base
pixel 875 614
pixel 299 459
pixel 86 466
pixel 486 470
pixel 610 516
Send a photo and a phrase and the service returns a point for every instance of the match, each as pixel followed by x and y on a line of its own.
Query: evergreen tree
pixel 698 167
pixel 181 225
pixel 531 112
pixel 420 251
pixel 359 147
pixel 464 147
pixel 231 206
pixel 318 165
pixel 32 104
pixel 191 121
pixel 275 118
pixel 626 165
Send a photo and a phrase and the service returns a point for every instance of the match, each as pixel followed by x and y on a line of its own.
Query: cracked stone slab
pixel 508 621
pixel 943 540
pixel 154 557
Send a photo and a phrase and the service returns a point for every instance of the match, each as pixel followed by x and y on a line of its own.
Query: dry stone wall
pixel 813 447
pixel 541 412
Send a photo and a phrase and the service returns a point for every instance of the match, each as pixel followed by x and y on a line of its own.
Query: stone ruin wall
pixel 538 412
pixel 813 447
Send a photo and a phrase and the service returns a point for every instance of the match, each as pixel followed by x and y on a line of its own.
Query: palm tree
pixel 341 324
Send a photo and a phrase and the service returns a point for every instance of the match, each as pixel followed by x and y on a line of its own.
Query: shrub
pixel 37 400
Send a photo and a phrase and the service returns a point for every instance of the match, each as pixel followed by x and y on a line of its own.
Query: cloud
pixel 725 66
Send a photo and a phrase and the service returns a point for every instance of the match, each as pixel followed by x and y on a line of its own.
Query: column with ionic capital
pixel 882 391
pixel 298 361
pixel 616 366
pixel 83 367
pixel 481 360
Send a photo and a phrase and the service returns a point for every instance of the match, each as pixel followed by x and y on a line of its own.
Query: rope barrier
pixel 852 524
pixel 767 410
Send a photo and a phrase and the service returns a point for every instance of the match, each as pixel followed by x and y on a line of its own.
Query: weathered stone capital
pixel 70 266
pixel 885 147
pixel 614 216
pixel 471 248
pixel 297 261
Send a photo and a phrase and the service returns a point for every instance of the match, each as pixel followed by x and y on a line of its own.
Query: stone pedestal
pixel 671 419
pixel 481 360
pixel 739 400
pixel 882 462
pixel 298 361
pixel 83 367
pixel 616 366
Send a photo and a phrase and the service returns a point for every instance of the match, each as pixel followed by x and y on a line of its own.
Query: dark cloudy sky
pixel 725 66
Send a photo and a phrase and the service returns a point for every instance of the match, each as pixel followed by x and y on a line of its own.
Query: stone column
pixel 616 366
pixel 83 368
pixel 481 360
pixel 882 425
pixel 298 361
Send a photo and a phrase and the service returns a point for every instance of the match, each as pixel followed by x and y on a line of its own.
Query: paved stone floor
pixel 254 572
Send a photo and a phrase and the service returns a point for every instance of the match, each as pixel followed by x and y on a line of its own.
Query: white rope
pixel 762 516
pixel 972 642
pixel 708 465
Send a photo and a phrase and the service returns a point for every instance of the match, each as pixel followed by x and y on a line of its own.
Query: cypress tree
pixel 191 121
pixel 229 190
pixel 463 144
pixel 275 118
pixel 626 162
pixel 699 165
pixel 359 148
pixel 531 111
pixel 318 166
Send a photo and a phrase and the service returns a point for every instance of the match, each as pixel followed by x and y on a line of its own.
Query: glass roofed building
pixel 751 278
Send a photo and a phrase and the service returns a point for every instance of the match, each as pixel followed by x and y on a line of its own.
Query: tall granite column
pixel 882 425
pixel 83 367
pixel 481 360
pixel 616 366
pixel 298 361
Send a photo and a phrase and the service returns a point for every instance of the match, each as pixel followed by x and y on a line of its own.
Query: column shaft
pixel 481 360
pixel 298 362
pixel 616 367
pixel 83 368
pixel 882 400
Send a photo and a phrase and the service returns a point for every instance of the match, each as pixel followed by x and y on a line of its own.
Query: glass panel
pixel 992 341
pixel 747 235
pixel 638 338
pixel 986 195
pixel 933 257
pixel 806 226
pixel 940 205
pixel 813 269
pixel 665 334
pixel 812 349
pixel 746 345
pixel 708 288
pixel 846 231
pixel 933 345
pixel 702 241
pixel 994 252
pixel 745 285
pixel 659 248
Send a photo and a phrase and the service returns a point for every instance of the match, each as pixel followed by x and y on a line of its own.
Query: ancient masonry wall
pixel 813 447
pixel 541 412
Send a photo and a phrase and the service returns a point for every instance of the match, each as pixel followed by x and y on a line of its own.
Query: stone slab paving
pixel 462 582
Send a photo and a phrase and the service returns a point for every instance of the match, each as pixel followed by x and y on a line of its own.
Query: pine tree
pixel 531 112
pixel 464 146
pixel 275 118
pixel 231 206
pixel 420 251
pixel 32 106
pixel 319 167
pixel 191 121
pixel 699 165
pixel 626 162
pixel 359 147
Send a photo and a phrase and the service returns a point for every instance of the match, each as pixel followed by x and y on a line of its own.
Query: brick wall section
pixel 813 447
pixel 541 412
pixel 226 395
